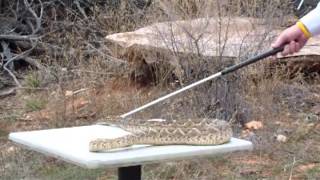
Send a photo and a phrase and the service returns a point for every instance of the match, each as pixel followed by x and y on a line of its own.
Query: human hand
pixel 293 39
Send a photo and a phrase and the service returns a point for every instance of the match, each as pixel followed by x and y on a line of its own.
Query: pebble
pixel 282 138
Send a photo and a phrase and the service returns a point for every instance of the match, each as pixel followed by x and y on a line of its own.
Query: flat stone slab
pixel 211 37
pixel 72 145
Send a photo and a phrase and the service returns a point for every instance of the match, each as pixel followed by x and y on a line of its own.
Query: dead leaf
pixel 68 93
pixel 254 125
pixel 77 104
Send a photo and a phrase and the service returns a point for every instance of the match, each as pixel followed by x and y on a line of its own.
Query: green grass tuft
pixel 35 104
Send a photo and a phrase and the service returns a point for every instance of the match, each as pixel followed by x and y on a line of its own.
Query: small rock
pixel 282 138
pixel 11 149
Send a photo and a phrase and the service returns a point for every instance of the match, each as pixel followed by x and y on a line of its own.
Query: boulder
pixel 188 45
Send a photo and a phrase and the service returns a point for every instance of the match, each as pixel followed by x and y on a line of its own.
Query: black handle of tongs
pixel 252 60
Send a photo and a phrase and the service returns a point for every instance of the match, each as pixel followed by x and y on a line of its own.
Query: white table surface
pixel 72 145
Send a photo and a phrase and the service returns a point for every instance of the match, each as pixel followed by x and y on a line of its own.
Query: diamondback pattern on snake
pixel 167 132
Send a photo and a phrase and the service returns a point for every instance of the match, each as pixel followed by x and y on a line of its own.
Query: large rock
pixel 210 42
pixel 188 45
pixel 206 36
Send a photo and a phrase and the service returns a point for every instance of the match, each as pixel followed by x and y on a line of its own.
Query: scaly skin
pixel 189 132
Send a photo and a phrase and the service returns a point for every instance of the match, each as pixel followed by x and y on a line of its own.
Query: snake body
pixel 167 132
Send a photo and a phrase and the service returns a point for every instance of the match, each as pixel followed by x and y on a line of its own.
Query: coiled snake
pixel 167 132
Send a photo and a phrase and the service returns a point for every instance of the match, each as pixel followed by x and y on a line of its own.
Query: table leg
pixel 129 173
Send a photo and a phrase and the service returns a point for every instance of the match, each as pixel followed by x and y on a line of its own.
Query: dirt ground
pixel 285 132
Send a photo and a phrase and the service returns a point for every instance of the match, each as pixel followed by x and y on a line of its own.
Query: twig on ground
pixel 93 72
pixel 5 93
pixel 18 37
pixel 292 166
pixel 12 75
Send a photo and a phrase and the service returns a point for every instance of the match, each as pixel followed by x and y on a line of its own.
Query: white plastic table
pixel 72 145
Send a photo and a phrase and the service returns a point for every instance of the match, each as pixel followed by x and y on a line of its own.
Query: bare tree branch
pixel 18 37
pixel 12 75
pixel 34 14
pixel 6 52
pixel 81 9
pixel 32 62
pixel 19 56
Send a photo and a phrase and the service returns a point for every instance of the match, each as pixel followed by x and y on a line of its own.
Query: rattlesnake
pixel 167 132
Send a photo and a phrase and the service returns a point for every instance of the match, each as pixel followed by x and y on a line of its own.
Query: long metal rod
pixel 300 4
pixel 171 94
pixel 225 71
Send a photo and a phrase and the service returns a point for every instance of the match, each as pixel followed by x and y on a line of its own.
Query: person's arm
pixel 296 36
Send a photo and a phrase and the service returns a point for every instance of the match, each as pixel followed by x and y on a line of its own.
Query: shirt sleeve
pixel 312 21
